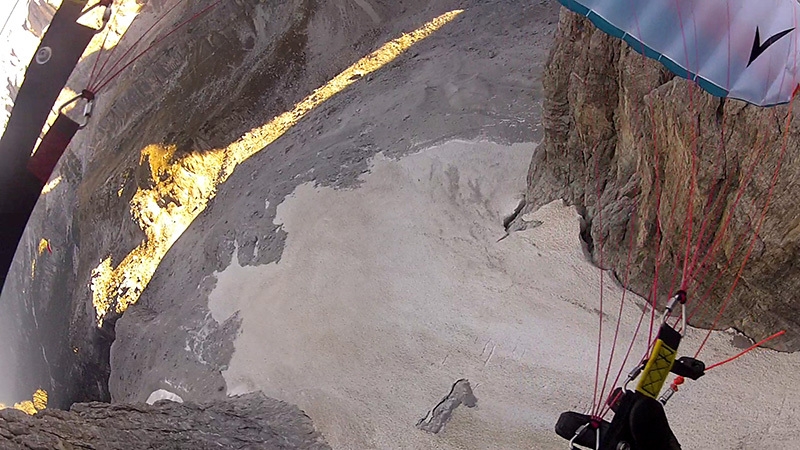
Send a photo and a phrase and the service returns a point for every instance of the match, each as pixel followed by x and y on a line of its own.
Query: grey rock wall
pixel 251 421
pixel 620 135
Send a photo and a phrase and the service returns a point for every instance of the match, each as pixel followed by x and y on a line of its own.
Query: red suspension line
pixel 156 42
pixel 136 43
pixel 631 231
pixel 747 350
pixel 761 220
pixel 707 260
pixel 595 402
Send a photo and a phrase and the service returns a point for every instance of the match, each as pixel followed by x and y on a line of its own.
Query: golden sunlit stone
pixel 40 399
pixel 42 245
pixel 189 183
pixel 183 186
pixel 26 407
pixel 51 185
pixel 38 403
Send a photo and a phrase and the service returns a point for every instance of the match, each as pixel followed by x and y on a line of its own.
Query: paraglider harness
pixel 42 163
pixel 639 421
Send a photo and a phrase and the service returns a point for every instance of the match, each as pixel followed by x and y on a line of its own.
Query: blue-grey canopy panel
pixel 742 49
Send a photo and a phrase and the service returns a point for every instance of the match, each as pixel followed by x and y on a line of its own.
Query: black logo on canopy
pixel 759 47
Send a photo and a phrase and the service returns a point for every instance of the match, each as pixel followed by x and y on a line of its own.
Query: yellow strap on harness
pixel 657 369
pixel 660 363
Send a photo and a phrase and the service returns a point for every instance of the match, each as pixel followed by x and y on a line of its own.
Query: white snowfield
pixel 388 293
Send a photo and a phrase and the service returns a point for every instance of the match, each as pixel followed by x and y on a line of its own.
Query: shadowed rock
pixel 251 421
pixel 460 393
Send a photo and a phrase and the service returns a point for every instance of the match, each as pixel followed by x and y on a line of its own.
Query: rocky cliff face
pixel 622 135
pixel 248 422
pixel 226 72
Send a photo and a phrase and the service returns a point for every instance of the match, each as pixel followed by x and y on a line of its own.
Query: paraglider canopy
pixel 731 48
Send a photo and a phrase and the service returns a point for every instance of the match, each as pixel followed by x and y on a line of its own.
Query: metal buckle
pixel 87 109
pixel 581 430
pixel 578 433
pixel 107 4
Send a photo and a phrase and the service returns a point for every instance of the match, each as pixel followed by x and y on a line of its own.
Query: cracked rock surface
pixel 251 421
pixel 460 394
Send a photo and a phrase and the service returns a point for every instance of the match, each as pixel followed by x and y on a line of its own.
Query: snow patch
pixel 163 394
